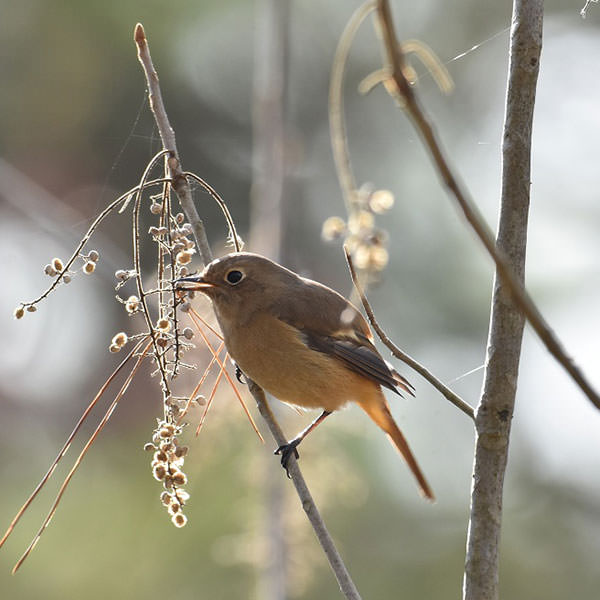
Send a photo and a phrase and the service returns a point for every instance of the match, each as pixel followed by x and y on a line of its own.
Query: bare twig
pixel 399 354
pixel 337 122
pixel 235 238
pixel 68 442
pixel 335 560
pixel 496 405
pixel 404 93
pixel 167 135
pixel 123 198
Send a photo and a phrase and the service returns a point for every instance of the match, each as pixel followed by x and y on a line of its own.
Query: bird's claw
pixel 239 375
pixel 286 450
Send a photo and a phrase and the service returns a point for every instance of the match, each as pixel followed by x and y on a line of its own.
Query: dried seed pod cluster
pixel 167 466
pixel 364 240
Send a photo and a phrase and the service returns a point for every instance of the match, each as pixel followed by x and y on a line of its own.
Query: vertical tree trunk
pixel 495 409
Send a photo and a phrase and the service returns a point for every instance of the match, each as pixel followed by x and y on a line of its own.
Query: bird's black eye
pixel 234 276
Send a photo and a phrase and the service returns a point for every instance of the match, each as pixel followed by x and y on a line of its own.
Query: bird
pixel 302 342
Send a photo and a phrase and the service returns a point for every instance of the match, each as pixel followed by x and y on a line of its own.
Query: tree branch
pixel 401 89
pixel 399 354
pixel 495 409
pixel 167 136
pixel 342 575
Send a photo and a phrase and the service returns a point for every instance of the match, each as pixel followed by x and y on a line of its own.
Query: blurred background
pixel 75 132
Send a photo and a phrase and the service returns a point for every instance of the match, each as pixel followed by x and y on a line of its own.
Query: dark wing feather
pixel 332 325
pixel 361 357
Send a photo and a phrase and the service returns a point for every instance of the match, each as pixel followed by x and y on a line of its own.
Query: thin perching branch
pixel 401 355
pixel 342 575
pixel 495 409
pixel 168 138
pixel 404 93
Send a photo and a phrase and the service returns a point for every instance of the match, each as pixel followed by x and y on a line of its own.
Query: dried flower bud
pixel 132 304
pixel 89 267
pixel 163 324
pixel 122 275
pixel 179 520
pixel 57 264
pixel 188 333
pixel 166 498
pixel 166 446
pixel 379 257
pixel 185 307
pixel 184 257
pixel 362 257
pixel 179 478
pixel 19 312
pixel 333 228
pixel 182 496
pixel 149 447
pixel 66 278
pixel 361 221
pixel 159 471
pixel 31 308
pixel 381 201
pixel 160 456
pixel 181 451
pixel 114 348
pixel 93 256
pixel 50 270
pixel 156 208
pixel 179 218
pixel 120 339
pixel 162 342
pixel 174 507
pixel 200 400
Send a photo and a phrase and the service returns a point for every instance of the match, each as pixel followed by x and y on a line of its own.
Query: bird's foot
pixel 286 450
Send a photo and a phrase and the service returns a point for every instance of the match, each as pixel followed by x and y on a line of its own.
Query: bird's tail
pixel 379 412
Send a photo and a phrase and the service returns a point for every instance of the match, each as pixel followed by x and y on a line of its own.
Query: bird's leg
pixel 286 450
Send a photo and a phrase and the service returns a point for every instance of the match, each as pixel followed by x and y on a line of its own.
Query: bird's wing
pixel 335 327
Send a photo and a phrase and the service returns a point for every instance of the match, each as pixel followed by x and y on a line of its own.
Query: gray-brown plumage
pixel 302 342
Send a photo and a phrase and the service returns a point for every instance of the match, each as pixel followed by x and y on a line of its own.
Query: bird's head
pixel 240 282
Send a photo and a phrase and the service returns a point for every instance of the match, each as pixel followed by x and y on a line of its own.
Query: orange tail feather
pixel 380 413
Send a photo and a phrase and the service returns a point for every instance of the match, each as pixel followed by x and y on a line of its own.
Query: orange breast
pixel 273 355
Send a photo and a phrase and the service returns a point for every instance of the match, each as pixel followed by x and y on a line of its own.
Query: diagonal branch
pixel 404 93
pixel 333 556
pixel 399 354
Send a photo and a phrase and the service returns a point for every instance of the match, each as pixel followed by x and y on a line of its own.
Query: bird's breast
pixel 273 354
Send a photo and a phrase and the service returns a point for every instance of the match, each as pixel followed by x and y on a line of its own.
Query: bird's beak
pixel 198 283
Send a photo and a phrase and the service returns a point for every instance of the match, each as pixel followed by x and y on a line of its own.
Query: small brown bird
pixel 303 343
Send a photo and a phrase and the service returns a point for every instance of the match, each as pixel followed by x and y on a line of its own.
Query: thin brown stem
pixel 82 454
pixel 403 91
pixel 400 354
pixel 308 504
pixel 167 135
pixel 68 442
pixel 123 198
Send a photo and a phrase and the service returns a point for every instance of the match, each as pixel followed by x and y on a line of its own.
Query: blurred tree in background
pixel 75 132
